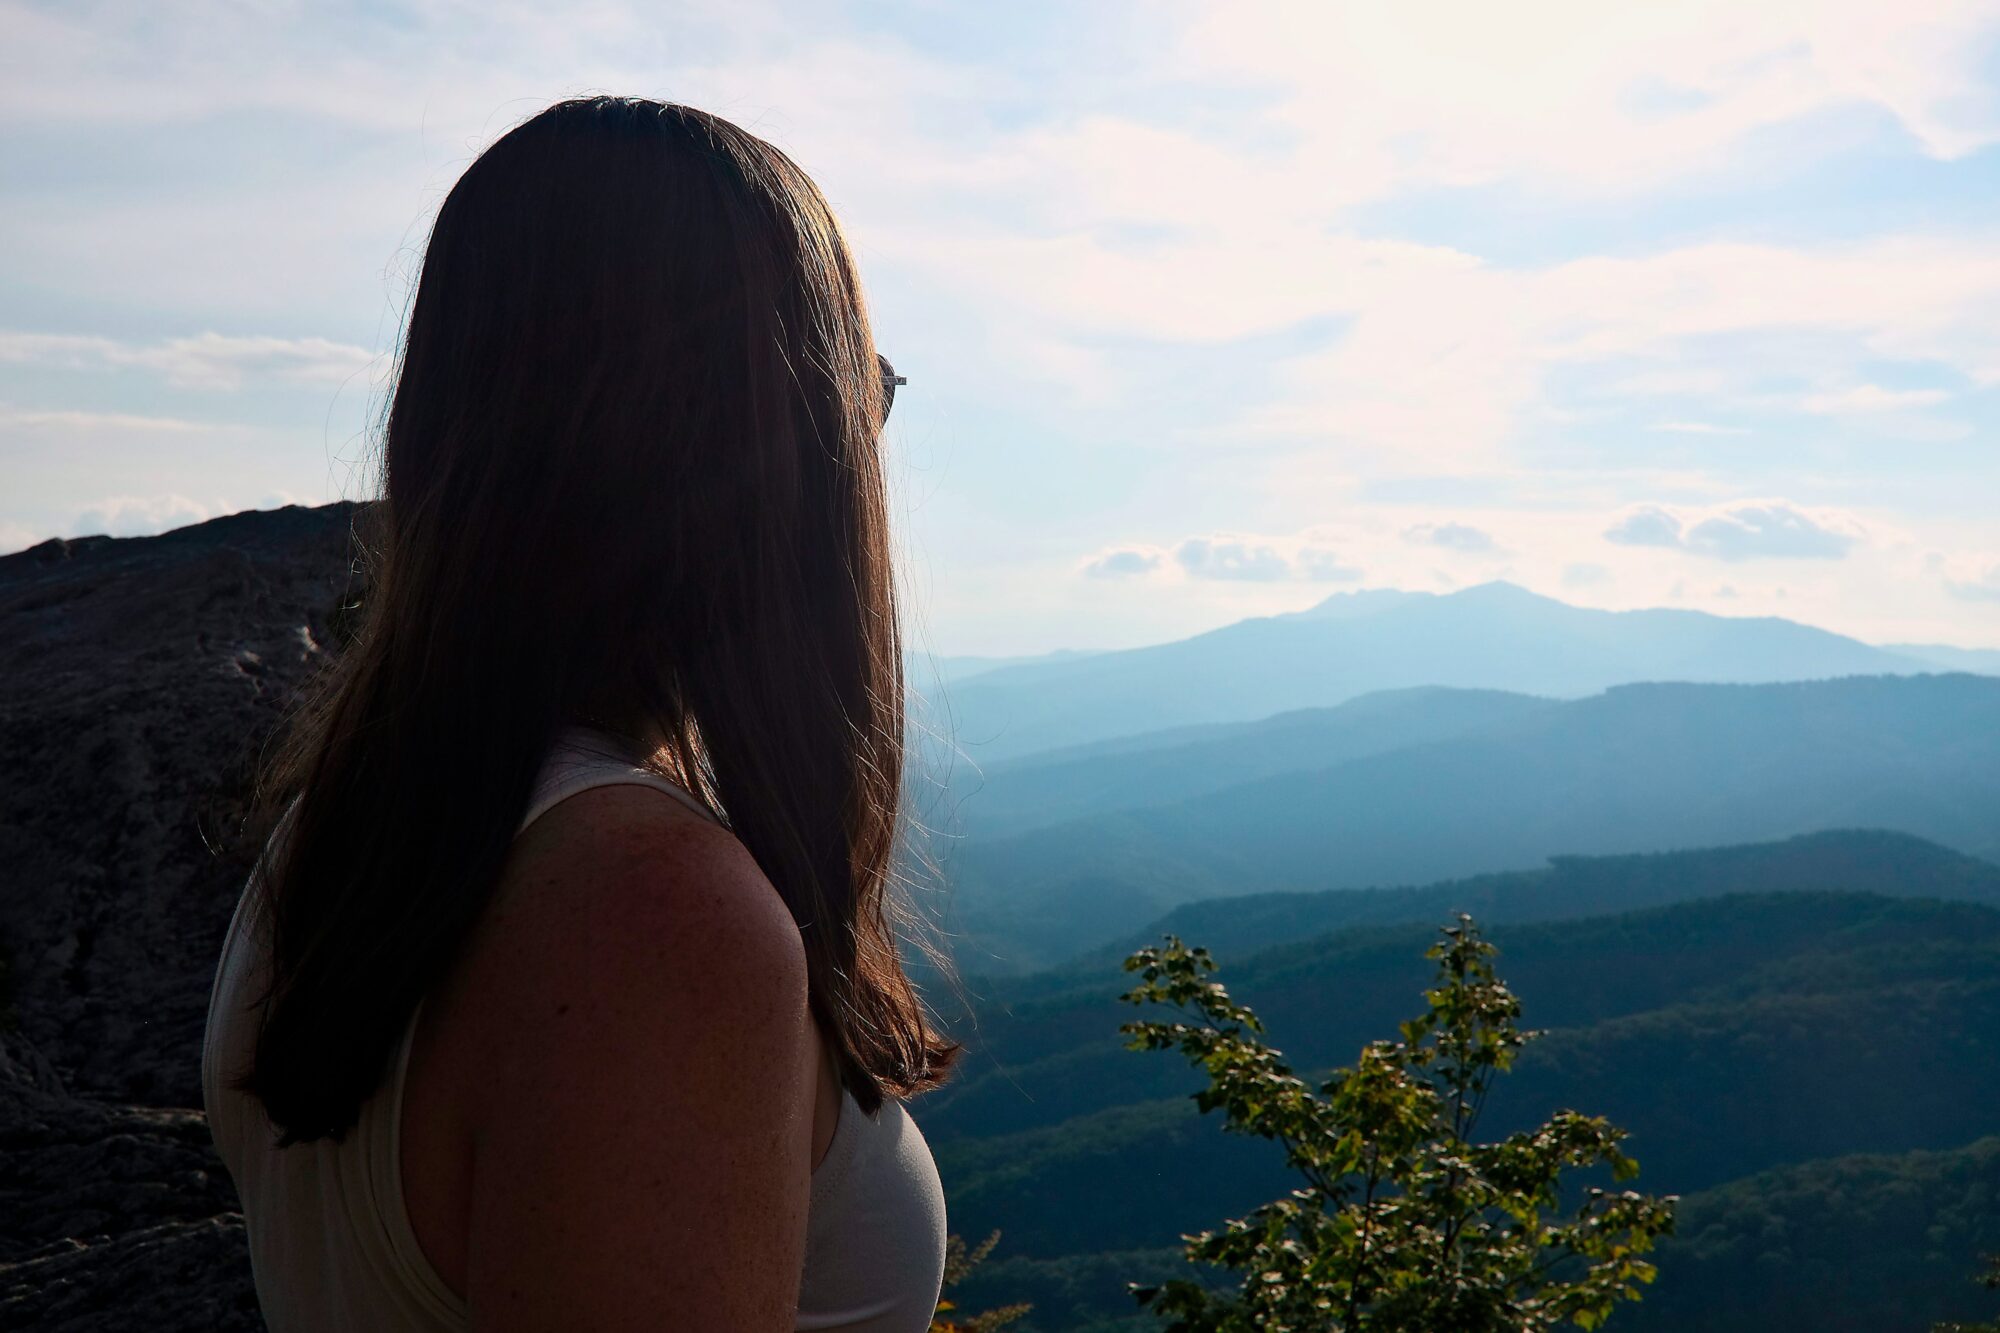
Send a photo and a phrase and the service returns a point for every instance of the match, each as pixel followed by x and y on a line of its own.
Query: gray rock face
pixel 139 679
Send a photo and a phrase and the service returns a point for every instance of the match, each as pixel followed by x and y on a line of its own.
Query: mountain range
pixel 1494 636
pixel 1488 783
pixel 1037 1058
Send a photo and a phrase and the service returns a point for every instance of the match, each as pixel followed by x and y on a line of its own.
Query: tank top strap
pixel 583 758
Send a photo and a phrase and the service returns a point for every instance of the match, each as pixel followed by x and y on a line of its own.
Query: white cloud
pixel 1231 558
pixel 1124 562
pixel 65 421
pixel 1595 96
pixel 1443 362
pixel 1372 98
pixel 1871 398
pixel 1745 530
pixel 1452 537
pixel 936 168
pixel 142 515
pixel 1970 578
pixel 1228 558
pixel 1645 525
pixel 136 516
pixel 1405 382
pixel 1059 224
pixel 201 361
pixel 1057 219
pixel 17 537
pixel 1777 530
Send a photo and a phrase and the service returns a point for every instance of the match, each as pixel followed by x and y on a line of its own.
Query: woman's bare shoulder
pixel 618 828
pixel 627 881
pixel 647 1086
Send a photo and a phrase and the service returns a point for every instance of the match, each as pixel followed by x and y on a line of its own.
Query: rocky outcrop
pixel 139 680
pixel 116 1216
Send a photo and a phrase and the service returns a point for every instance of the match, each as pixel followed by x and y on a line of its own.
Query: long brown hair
pixel 631 479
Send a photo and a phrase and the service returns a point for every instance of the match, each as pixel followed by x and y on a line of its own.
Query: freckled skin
pixel 616 1098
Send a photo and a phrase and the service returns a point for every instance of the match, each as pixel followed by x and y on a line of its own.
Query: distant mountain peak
pixel 1355 605
pixel 1501 591
pixel 1366 602
pixel 1507 597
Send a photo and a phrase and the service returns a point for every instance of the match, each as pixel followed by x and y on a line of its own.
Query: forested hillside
pixel 1731 1036
pixel 1869 1243
pixel 1872 1243
pixel 1638 768
pixel 1895 865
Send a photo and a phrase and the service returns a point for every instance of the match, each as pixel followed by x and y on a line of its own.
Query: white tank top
pixel 331 1245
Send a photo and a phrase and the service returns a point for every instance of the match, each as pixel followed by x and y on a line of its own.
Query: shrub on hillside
pixel 1405 1223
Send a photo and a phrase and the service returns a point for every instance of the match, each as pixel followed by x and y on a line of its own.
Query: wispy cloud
pixel 1700 428
pixel 70 421
pixel 1489 91
pixel 1871 398
pixel 199 361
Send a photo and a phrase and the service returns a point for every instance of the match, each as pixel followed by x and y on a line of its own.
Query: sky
pixel 1209 310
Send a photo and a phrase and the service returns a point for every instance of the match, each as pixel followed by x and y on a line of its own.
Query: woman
pixel 567 993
